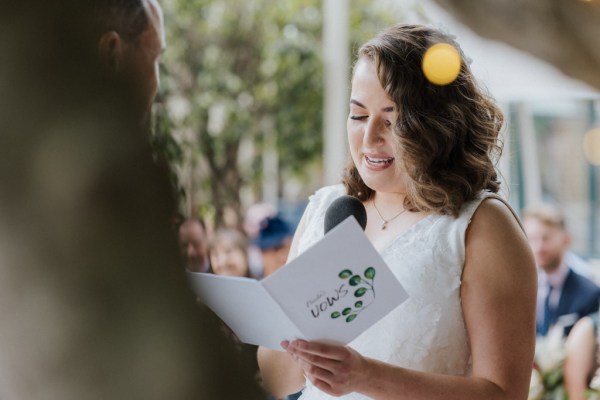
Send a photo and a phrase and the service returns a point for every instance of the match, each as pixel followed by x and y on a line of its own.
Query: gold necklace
pixel 385 221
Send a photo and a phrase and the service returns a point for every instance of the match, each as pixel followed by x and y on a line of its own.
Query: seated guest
pixel 194 245
pixel 274 240
pixel 254 215
pixel 564 296
pixel 581 350
pixel 228 254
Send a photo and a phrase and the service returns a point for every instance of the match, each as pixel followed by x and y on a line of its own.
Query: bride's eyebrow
pixel 384 109
pixel 358 103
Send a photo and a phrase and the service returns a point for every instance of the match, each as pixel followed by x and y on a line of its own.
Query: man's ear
pixel 110 48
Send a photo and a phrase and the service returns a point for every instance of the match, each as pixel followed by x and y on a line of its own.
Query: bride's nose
pixel 375 131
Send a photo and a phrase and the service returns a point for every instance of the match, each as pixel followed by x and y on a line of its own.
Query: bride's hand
pixel 336 370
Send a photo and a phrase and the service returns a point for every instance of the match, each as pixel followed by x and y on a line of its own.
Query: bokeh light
pixel 441 64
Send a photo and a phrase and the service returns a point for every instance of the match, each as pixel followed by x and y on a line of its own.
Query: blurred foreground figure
pixel 131 38
pixel 91 304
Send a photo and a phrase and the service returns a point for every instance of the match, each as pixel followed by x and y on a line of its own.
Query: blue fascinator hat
pixel 273 232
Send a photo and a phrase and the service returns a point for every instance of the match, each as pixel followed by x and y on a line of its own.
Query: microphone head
pixel 343 207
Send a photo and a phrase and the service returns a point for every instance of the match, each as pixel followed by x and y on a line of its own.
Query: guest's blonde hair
pixel 547 214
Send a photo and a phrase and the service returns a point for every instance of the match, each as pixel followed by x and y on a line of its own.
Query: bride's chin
pixel 384 184
pixel 375 184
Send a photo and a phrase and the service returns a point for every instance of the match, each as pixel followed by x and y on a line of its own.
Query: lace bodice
pixel 426 332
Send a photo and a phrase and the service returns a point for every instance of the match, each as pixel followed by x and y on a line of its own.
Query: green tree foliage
pixel 235 73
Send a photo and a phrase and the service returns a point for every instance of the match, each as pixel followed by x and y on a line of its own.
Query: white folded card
pixel 331 293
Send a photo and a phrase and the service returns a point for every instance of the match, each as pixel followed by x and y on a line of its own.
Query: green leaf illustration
pixel 346 311
pixel 335 314
pixel 360 292
pixel 358 304
pixel 350 318
pixel 370 273
pixel 355 280
pixel 345 274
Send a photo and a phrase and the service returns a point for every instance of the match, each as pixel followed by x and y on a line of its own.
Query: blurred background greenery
pixel 242 116
pixel 242 95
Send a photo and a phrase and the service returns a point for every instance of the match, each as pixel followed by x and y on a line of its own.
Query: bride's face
pixel 370 131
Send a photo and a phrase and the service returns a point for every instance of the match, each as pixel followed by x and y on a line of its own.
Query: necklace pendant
pixel 384 225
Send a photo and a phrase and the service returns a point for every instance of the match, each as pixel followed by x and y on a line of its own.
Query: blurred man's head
pixel 274 240
pixel 130 42
pixel 546 231
pixel 194 245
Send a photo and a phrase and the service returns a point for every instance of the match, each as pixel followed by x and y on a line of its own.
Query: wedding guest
pixel 274 240
pixel 227 252
pixel 581 348
pixel 193 241
pixel 228 257
pixel 563 295
pixel 423 165
pixel 253 217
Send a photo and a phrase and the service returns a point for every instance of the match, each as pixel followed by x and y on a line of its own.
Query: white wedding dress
pixel 426 332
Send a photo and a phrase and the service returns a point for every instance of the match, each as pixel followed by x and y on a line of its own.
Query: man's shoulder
pixel 583 283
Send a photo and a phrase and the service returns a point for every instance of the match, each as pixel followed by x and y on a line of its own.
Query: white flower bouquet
pixel 547 375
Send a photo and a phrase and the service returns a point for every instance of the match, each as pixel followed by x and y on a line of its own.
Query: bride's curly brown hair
pixel 448 136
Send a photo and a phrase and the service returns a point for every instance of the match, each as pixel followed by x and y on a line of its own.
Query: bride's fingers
pixel 329 368
pixel 313 364
pixel 326 351
pixel 334 374
pixel 327 382
pixel 311 358
pixel 327 388
pixel 317 361
pixel 315 372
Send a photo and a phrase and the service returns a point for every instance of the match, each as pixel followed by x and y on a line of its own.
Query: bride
pixel 423 166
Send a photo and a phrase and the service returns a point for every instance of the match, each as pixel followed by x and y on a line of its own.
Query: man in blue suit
pixel 564 296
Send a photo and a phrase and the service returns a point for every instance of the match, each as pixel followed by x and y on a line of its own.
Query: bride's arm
pixel 280 374
pixel 498 295
pixel 499 291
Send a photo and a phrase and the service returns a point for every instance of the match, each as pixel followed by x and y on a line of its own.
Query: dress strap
pixel 512 210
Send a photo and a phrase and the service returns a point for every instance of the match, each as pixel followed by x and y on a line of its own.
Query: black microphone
pixel 342 208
